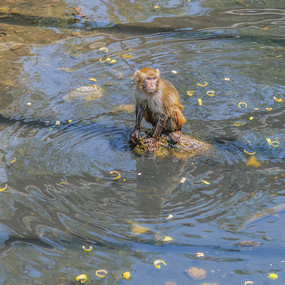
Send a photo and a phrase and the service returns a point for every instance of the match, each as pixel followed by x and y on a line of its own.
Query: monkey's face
pixel 150 84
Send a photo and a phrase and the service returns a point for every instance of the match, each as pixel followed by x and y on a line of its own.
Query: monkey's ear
pixel 136 74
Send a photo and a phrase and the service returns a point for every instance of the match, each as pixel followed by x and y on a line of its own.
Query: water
pixel 60 195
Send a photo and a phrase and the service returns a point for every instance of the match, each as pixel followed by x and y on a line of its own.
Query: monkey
pixel 158 102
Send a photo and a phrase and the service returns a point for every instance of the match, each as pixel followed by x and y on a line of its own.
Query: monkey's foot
pixel 174 137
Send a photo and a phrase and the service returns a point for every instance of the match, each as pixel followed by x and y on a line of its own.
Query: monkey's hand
pixel 134 137
pixel 151 145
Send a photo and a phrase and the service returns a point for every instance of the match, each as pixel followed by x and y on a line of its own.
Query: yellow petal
pixel 82 278
pixel 183 180
pixel 87 249
pixel 206 182
pixel 277 99
pixel 248 282
pixel 250 153
pixel 108 59
pixel 101 273
pixel 190 93
pixel 275 143
pixel 2 189
pixel 251 118
pixel 126 275
pixel 211 93
pixel 113 61
pixel 200 102
pixel 167 238
pixel 118 174
pixel 272 276
pixel 102 60
pixel 202 85
pixel 93 79
pixel 157 263
pixel 170 216
pixel 104 49
pixel 242 104
pixel 199 254
pixel 13 160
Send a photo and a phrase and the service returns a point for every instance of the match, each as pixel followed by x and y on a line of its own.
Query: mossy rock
pixel 187 146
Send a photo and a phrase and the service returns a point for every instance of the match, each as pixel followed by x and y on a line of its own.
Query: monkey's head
pixel 148 79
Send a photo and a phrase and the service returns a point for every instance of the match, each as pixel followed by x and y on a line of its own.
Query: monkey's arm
pixel 134 136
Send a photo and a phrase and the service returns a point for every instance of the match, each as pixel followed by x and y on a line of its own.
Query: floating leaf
pixel 13 160
pixel 118 174
pixel 272 276
pixel 202 85
pixel 200 102
pixel 93 79
pixel 101 273
pixel 206 182
pixel 190 93
pixel 158 262
pixel 126 275
pixel 82 278
pixel 113 61
pixel 268 109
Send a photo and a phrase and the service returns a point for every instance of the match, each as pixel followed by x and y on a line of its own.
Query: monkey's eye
pixel 150 78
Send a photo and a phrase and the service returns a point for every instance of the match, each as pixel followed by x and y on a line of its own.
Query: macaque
pixel 157 100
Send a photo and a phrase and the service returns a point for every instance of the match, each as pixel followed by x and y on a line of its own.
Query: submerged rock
pixel 88 93
pixel 188 146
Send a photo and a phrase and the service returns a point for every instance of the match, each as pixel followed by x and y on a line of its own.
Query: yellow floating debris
pixel 250 153
pixel 2 189
pixel 118 174
pixel 200 102
pixel 82 278
pixel 170 216
pixel 211 93
pixel 272 276
pixel 158 262
pixel 93 79
pixel 252 161
pixel 242 104
pixel 13 160
pixel 87 249
pixel 167 238
pixel 200 254
pixel 277 99
pixel 104 49
pixel 202 85
pixel 190 93
pixel 183 180
pixel 206 182
pixel 126 275
pixel 101 273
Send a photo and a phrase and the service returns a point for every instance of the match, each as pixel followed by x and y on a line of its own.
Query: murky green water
pixel 60 195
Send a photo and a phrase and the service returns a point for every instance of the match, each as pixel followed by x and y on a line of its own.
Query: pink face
pixel 150 84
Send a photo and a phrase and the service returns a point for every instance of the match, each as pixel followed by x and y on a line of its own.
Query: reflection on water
pixel 56 154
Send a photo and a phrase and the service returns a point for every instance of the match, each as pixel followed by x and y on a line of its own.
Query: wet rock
pixel 124 109
pixel 188 146
pixel 87 93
